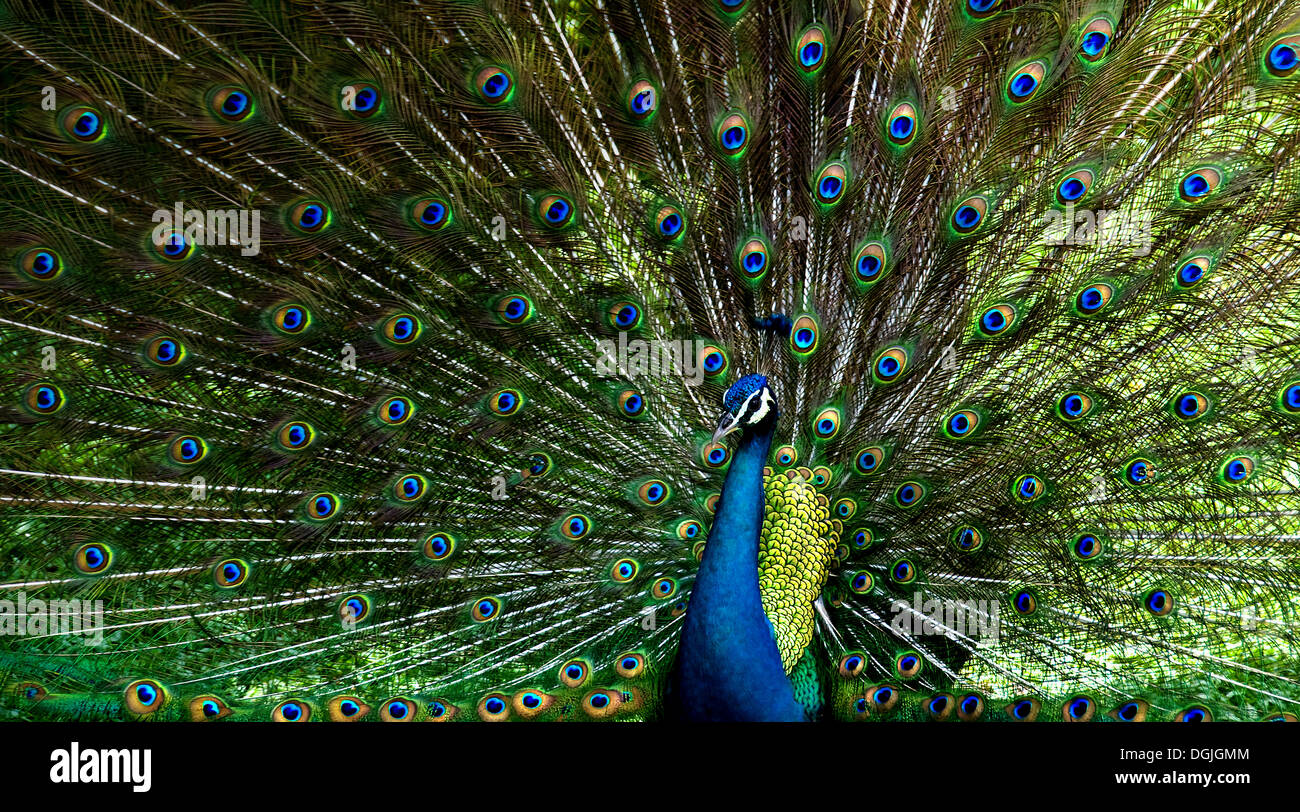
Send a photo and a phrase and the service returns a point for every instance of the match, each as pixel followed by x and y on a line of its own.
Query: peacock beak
pixel 726 425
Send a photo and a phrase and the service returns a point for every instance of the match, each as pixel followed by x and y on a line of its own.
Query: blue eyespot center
pixel 1023 84
pixel 733 137
pixel 967 216
pixel 1072 189
pixel 1195 185
pixel 1095 42
pixel 901 127
pixel 811 54
pixel 1283 57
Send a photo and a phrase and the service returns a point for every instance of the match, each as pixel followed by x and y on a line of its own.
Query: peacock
pixel 581 360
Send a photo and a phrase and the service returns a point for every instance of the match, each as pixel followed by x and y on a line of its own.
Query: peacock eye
pixel 187 449
pixel 556 211
pixel 230 573
pixel 689 529
pixel 431 213
pixel 43 398
pixel 903 571
pixel 145 696
pixel 494 707
pixel 910 494
pixel 1074 186
pixel 997 319
pixel 967 539
pixel 1290 398
pixel 786 456
pixel 231 104
pixel 1074 406
pixel 890 364
pixel 322 506
pixel 173 246
pixel 439 546
pixel 821 475
pixel 827 423
pixel 1196 713
pixel 654 492
pixel 165 351
pixel 574 673
pixel 861 582
pixel 1139 471
pixel 715 455
pixel 1028 488
pixel 631 403
pixel 670 223
pixel 539 464
pixel 398 709
pixel 1024 602
pixel 1238 469
pixel 851 664
pixel 1135 710
pixel 347 709
pixel 295 436
pixel 663 589
pixel 93 558
pixel 396 411
pixel 1024 710
pixel 1087 547
pixel 506 402
pixel 713 361
pixel 514 309
pixel 208 708
pixel 361 99
pixel 354 609
pixel 868 263
pixel 753 257
pixel 845 508
pixel 1093 298
pixel 900 126
pixel 980 9
pixel 940 706
pixel 1079 709
pixel 1159 602
pixel 907 665
pixel 968 214
pixel 291 710
pixel 630 665
pixel 410 487
pixel 804 336
pixel 575 526
pixel 811 49
pixel 1283 56
pixel 624 316
pixel 495 84
pixel 862 538
pixel 885 697
pixel 642 100
pixel 531 703
pixel 962 424
pixel 1095 38
pixel 310 216
pixel 83 123
pixel 1192 272
pixel 624 570
pixel 733 135
pixel 41 264
pixel 291 319
pixel 1199 183
pixel 1024 83
pixel 1190 405
pixel 970 707
pixel 831 183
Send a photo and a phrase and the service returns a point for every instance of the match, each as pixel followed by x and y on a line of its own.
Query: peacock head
pixel 750 406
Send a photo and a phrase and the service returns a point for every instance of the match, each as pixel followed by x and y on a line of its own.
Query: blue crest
pixel 742 389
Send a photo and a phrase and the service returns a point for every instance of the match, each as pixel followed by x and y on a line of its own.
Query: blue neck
pixel 728 666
